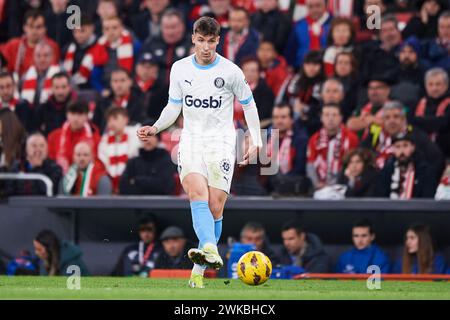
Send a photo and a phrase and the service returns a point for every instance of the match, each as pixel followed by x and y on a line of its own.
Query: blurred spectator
pixel 303 249
pixel 303 91
pixel 37 81
pixel 394 122
pixel 86 177
pixel 218 9
pixel 118 144
pixel 16 12
pixel 20 107
pixel 56 17
pixel 262 94
pixel 19 52
pixel 332 91
pixel 23 265
pixel 406 175
pixel 381 55
pixel 57 256
pixel 175 247
pixel 432 114
pixel 272 24
pixel 273 68
pixel 309 33
pixel 77 128
pixel 346 71
pixel 378 91
pixel 170 138
pixel 240 40
pixel 139 258
pixel 424 24
pixel 79 54
pixel 173 44
pixel 409 86
pixel 153 90
pixel 443 190
pixel 247 181
pixel 147 23
pixel 152 172
pixel 120 96
pixel 326 148
pixel 37 161
pixel 436 52
pixel 254 233
pixel 358 174
pixel 52 114
pixel 116 48
pixel 340 39
pixel 364 253
pixel 419 255
pixel 105 9
pixel 292 142
pixel 12 138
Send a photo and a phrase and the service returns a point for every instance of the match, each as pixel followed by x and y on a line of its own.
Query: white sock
pixel 198 269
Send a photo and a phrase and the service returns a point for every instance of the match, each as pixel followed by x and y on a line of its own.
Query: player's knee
pixel 196 194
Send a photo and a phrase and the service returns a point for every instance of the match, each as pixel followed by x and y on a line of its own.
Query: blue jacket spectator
pixel 435 52
pixel 310 33
pixel 438 266
pixel 357 261
pixel 364 253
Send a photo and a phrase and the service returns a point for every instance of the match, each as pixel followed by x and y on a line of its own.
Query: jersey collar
pixel 209 66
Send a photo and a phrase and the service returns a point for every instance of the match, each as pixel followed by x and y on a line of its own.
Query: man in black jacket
pixel 147 23
pixel 175 248
pixel 152 172
pixel 52 114
pixel 303 249
pixel 153 90
pixel 406 175
pixel 121 96
pixel 272 24
pixel 20 107
pixel 173 44
pixel 37 161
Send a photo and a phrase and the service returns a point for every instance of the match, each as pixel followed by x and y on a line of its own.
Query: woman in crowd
pixel 358 173
pixel 345 70
pixel 340 39
pixel 57 256
pixel 419 255
pixel 303 91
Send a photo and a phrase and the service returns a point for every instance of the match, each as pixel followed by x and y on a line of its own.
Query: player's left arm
pixel 244 94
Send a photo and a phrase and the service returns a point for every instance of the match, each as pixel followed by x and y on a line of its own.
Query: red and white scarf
pixel 87 64
pixel 144 85
pixel 85 184
pixel 122 102
pixel 124 48
pixel 341 8
pixel 115 153
pixel 402 181
pixel 30 84
pixel 11 105
pixel 326 167
pixel 440 112
pixel 61 157
pixel 315 30
pixel 384 149
pixel 232 44
pixel 285 152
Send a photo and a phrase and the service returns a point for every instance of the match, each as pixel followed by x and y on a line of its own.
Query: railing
pixel 30 176
pixel 393 277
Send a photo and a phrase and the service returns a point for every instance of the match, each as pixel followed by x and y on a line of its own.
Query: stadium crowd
pixel 361 112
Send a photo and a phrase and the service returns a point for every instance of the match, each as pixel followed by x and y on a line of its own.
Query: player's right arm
pixel 170 112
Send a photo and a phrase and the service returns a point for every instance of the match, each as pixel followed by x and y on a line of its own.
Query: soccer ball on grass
pixel 254 268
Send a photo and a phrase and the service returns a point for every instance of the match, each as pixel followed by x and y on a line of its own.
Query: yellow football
pixel 254 268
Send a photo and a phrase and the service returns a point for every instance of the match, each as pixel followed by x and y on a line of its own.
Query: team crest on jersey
pixel 219 82
pixel 225 166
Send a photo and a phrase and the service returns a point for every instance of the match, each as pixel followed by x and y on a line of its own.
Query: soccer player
pixel 204 85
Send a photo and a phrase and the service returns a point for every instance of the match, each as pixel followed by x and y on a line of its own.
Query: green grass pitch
pixel 216 289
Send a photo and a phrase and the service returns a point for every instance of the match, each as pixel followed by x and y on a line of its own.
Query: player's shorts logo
pixel 225 166
pixel 219 82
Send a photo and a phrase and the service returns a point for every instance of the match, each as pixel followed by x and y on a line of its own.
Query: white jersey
pixel 207 95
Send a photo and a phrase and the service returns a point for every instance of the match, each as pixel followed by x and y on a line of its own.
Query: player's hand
pixel 250 156
pixel 144 133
